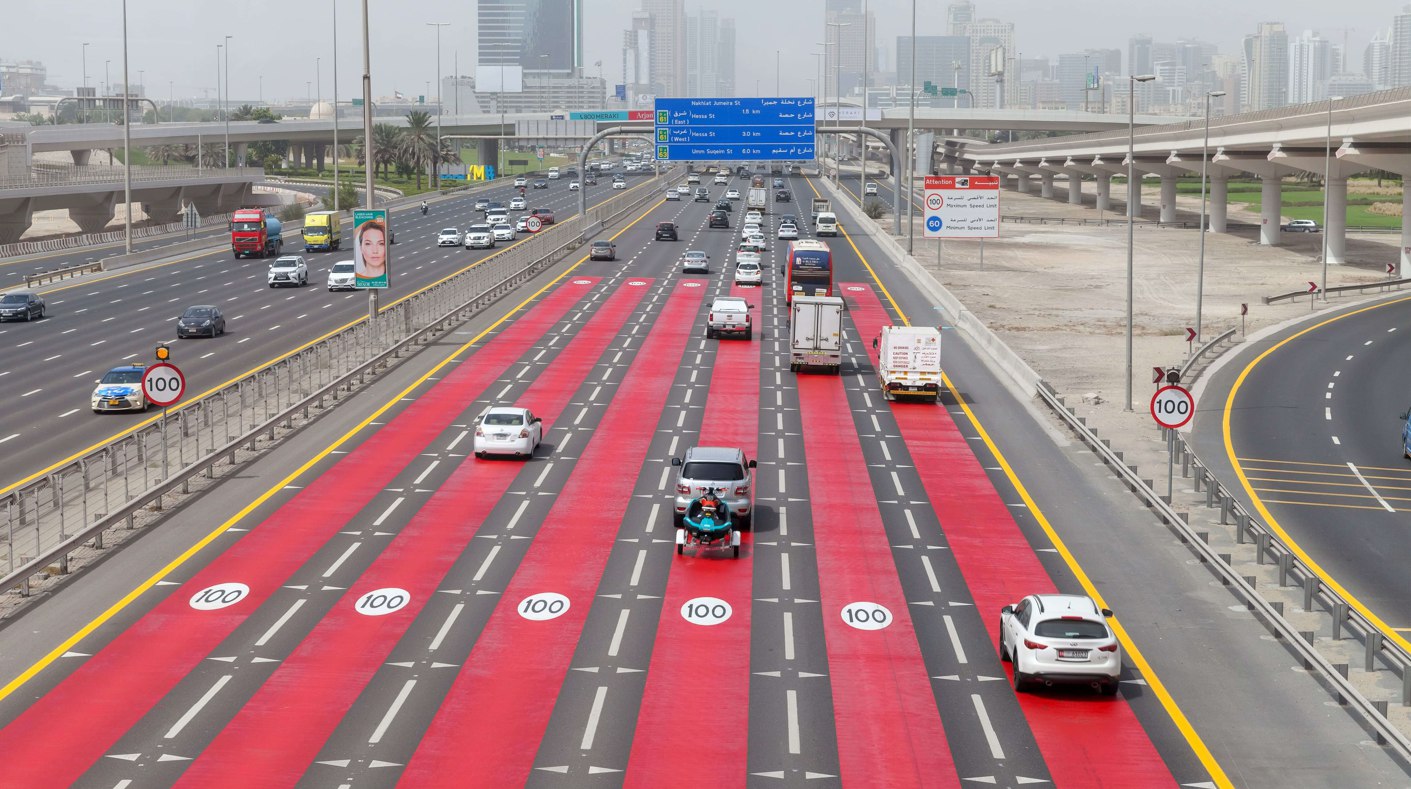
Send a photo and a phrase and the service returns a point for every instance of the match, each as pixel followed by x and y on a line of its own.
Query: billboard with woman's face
pixel 370 248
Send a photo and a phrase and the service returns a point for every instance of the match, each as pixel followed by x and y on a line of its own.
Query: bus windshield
pixel 811 261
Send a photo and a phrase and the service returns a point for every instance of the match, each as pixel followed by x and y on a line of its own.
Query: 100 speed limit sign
pixel 163 383
pixel 1172 406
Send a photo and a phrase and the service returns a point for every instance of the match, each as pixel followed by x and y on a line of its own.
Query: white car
pixel 721 179
pixel 748 256
pixel 1058 638
pixel 749 246
pixel 496 218
pixel 672 194
pixel 521 181
pixel 554 174
pixel 518 204
pixel 502 231
pixel 753 216
pixel 869 189
pixel 449 237
pixel 574 186
pixel 619 184
pixel 732 194
pixel 479 237
pixel 507 430
pixel 120 389
pixel 749 230
pixel 521 225
pixel 482 203
pixel 788 232
pixel 288 270
pixel 748 272
pixel 695 260
pixel 757 239
pixel 340 277
pixel 683 189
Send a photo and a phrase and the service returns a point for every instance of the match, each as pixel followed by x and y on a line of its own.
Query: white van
pixel 827 224
pixel 553 173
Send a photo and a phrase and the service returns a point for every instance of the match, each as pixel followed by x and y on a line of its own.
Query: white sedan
pixel 507 430
pixel 502 231
pixel 573 186
pixel 732 194
pixel 449 237
pixel 749 230
pixel 747 272
pixel 757 239
pixel 754 216
pixel 619 184
pixel 788 232
pixel 518 204
pixel 683 189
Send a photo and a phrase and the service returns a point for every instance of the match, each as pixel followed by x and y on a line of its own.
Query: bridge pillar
pixel 1022 184
pixel 489 151
pixel 1075 188
pixel 1046 185
pixel 81 158
pixel 206 198
pixel 1134 197
pixel 93 212
pixel 318 156
pixel 1219 202
pixel 1405 262
pixel 1336 190
pixel 1168 198
pixel 1271 200
pixel 164 205
pixel 16 215
pixel 1104 192
pixel 242 150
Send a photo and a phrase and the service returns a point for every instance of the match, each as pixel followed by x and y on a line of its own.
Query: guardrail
pixel 45 521
pixel 1372 713
pixel 1118 218
pixel 40 176
pixel 106 237
pixel 1361 288
pixel 1200 352
pixel 61 273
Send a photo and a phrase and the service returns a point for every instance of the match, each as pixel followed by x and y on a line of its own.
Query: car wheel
pixel 1021 680
pixel 28 316
pixel 480 455
pixel 749 334
pixel 710 333
pixel 1003 650
pixel 1108 688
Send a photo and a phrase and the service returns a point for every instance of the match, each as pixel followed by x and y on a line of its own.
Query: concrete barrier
pixel 1002 359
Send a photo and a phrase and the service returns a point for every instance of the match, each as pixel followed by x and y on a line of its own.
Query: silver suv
pixel 725 469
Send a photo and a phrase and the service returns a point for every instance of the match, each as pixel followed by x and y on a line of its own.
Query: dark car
pixel 783 196
pixel 570 174
pixel 719 219
pixel 495 208
pixel 591 180
pixel 202 320
pixel 21 304
pixel 541 184
pixel 724 205
pixel 602 250
pixel 546 215
pixel 789 219
pixel 778 183
pixel 666 231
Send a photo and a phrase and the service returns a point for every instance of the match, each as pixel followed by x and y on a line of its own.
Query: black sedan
pixel 21 304
pixel 666 231
pixel 202 320
pixel 783 196
pixel 719 219
pixel 541 184
pixel 725 205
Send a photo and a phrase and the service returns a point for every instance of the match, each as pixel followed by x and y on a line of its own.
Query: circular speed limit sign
pixel 934 202
pixel 1172 406
pixel 534 224
pixel 163 383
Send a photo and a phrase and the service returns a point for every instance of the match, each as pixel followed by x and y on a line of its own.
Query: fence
pixel 45 520
pixel 106 174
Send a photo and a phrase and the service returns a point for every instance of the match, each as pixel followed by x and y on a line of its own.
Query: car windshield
pixel 479 229
pixel 281 263
pixel 198 312
pixel 345 267
pixel 123 377
pixel 747 266
pixel 729 305
pixel 507 420
pixel 1070 628
pixel 695 255
pixel 450 231
pixel 711 472
pixel 602 244
pixel 14 298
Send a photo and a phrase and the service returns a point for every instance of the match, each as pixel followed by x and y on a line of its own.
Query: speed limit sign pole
pixel 1172 407
pixel 163 385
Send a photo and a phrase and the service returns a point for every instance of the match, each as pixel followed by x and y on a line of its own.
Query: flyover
pixel 1345 136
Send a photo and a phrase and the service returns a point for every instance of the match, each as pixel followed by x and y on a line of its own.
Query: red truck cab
pixel 253 232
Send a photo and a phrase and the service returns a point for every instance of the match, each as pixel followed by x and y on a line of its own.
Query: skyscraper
pixel 991 44
pixel 1399 60
pixel 1377 58
pixel 1310 66
pixel 958 15
pixel 1139 58
pixel 1266 67
pixel 668 46
pixel 936 58
pixel 710 55
pixel 855 43
pixel 537 35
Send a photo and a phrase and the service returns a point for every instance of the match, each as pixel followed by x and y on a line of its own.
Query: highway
pixel 98 322
pixel 355 608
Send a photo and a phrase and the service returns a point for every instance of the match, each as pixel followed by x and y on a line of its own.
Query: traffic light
pixel 163 352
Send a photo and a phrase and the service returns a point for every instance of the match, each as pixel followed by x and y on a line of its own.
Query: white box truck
pixel 757 198
pixel 816 333
pixel 909 362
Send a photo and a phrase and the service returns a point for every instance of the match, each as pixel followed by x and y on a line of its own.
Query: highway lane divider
pixel 49 516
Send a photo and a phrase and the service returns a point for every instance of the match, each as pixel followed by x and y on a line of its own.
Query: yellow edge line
pixel 1193 738
pixel 262 365
pixel 1269 519
pixel 186 555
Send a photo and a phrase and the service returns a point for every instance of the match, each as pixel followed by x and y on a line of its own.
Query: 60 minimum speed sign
pixel 1172 407
pixel 163 383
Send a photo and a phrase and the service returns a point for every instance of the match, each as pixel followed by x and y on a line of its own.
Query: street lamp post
pixel 776 72
pixel 334 3
pixel 219 104
pixel 107 91
pixel 838 93
pixel 437 158
pixel 369 195
pixel 910 161
pixel 126 144
pixel 226 106
pixel 1131 214
pixel 171 101
pixel 84 100
pixel 1200 268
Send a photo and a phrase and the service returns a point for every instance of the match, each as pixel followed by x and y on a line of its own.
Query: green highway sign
pixel 950 92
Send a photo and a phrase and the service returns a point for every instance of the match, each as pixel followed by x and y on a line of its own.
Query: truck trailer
pixel 909 362
pixel 816 333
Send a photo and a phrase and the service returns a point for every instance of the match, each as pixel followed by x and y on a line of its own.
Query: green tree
pixel 347 197
pixel 166 153
pixel 419 148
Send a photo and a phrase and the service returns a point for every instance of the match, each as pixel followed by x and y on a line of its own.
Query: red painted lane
pixel 279 733
pixel 487 731
pixel 1091 742
pixel 670 706
pixel 889 729
pixel 62 734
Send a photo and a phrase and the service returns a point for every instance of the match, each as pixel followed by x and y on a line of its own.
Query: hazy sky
pixel 174 41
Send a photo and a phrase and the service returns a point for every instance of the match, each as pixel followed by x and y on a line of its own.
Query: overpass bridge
pixel 1346 136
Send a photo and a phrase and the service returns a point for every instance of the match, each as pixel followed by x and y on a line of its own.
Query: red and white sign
pixel 533 224
pixel 1172 407
pixel 641 115
pixel 962 206
pixel 1312 286
pixel 1190 334
pixel 163 383
pixel 1157 375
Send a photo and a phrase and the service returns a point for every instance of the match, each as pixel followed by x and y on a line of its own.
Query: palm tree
pixel 386 146
pixel 244 113
pixel 165 153
pixel 419 142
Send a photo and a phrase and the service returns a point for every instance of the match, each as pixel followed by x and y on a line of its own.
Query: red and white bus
pixel 808 271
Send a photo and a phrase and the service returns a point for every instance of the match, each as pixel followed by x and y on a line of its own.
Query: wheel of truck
pixel 749 334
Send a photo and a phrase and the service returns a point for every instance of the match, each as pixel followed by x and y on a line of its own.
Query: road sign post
pixel 746 129
pixel 962 206
pixel 163 384
pixel 1172 407
pixel 534 224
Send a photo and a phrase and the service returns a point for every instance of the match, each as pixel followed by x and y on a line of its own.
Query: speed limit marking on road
pixel 163 383
pixel 1172 406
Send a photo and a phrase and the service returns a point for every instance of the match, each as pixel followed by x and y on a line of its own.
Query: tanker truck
pixel 254 232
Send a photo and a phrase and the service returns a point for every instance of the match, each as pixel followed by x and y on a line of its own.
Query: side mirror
pixel 1009 609
pixel 1107 612
pixel 749 306
pixel 537 420
pixel 676 461
pixel 1405 414
pixel 751 464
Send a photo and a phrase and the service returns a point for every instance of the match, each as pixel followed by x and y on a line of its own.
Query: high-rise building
pixel 1139 57
pixel 1075 75
pixel 1266 67
pixel 1377 59
pixel 992 57
pixel 725 61
pixel 851 46
pixel 1310 66
pixel 710 55
pixel 668 46
pixel 1399 56
pixel 936 60
pixel 536 35
pixel 841 7
pixel 958 15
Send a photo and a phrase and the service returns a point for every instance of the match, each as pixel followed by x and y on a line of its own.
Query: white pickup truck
pixel 909 362
pixel 729 315
pixel 816 333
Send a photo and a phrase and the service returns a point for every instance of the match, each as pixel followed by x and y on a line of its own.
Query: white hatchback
pixel 1058 638
pixel 507 430
pixel 787 231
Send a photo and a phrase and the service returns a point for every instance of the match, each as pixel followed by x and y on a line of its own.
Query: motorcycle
pixel 423 209
pixel 707 525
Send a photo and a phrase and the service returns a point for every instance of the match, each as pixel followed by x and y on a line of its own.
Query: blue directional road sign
pixel 751 129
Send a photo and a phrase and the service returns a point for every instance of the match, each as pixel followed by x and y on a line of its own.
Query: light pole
pixel 1200 268
pixel 910 161
pixel 260 97
pixel 862 122
pixel 776 72
pixel 126 145
pixel 226 106
pixel 318 96
pixel 107 91
pixel 84 100
pixel 334 3
pixel 171 101
pixel 1327 177
pixel 437 158
pixel 219 48
pixel 838 102
pixel 1131 214
pixel 369 196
